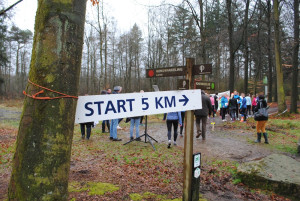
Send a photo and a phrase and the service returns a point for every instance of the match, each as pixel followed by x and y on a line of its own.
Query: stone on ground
pixel 275 172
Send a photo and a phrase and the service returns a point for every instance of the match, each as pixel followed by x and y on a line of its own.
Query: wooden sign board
pixel 183 84
pixel 204 85
pixel 166 72
pixel 202 69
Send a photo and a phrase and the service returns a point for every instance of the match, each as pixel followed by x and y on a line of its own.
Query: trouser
pixel 213 110
pixel 88 129
pixel 103 125
pixel 223 112
pixel 119 120
pixel 249 109
pixel 253 109
pixel 204 121
pixel 136 123
pixel 169 126
pixel 182 118
pixel 237 111
pixel 261 126
pixel 232 114
pixel 244 113
pixel 113 128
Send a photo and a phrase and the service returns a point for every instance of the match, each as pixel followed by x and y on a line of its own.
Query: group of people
pixel 113 125
pixel 235 105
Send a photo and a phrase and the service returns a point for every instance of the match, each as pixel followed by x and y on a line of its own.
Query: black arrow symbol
pixel 185 100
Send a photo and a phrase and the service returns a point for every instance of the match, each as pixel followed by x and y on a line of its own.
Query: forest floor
pixel 106 170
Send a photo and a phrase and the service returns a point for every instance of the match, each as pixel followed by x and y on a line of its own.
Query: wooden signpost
pixel 189 71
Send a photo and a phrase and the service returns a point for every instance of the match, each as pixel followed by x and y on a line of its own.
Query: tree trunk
pixel 231 48
pixel 279 72
pixel 246 47
pixel 295 58
pixel 270 66
pixel 42 159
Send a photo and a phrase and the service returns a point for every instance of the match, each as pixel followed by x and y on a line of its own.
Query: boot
pixel 198 134
pixel 258 138
pixel 242 119
pixel 266 138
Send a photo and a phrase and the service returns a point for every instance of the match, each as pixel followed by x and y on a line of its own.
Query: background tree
pixel 42 159
pixel 279 72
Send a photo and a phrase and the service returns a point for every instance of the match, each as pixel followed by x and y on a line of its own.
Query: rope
pixel 35 96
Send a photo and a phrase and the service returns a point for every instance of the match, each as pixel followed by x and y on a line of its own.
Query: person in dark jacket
pixel 232 107
pixel 201 115
pixel 261 123
pixel 105 121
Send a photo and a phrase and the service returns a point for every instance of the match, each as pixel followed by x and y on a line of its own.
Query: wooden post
pixel 188 140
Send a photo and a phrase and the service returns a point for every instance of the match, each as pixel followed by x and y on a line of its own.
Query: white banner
pixel 114 106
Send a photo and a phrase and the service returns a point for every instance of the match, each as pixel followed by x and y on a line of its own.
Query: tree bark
pixel 270 66
pixel 279 72
pixel 42 159
pixel 246 47
pixel 231 48
pixel 295 58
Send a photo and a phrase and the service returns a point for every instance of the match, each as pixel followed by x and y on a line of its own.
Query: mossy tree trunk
pixel 42 159
pixel 279 72
pixel 295 58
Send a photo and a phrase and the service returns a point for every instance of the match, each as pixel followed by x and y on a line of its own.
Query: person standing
pixel 216 102
pixel 114 122
pixel 182 119
pixel 248 102
pixel 262 121
pixel 212 100
pixel 254 103
pixel 238 98
pixel 173 118
pixel 232 107
pixel 201 115
pixel 224 105
pixel 243 108
pixel 105 121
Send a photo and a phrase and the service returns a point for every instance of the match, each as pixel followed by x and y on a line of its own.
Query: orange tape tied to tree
pixel 35 96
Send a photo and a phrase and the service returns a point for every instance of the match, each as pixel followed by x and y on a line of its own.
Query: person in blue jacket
pixel 224 105
pixel 173 118
pixel 243 108
pixel 238 98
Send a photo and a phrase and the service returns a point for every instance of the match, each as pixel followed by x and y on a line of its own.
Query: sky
pixel 126 12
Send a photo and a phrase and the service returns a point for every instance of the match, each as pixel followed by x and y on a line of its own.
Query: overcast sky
pixel 126 12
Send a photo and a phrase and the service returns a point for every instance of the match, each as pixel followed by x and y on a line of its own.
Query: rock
pixel 275 172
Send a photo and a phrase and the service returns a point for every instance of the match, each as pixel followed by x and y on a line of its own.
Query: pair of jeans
pixel 169 126
pixel 232 114
pixel 113 128
pixel 103 125
pixel 136 123
pixel 223 113
pixel 182 118
pixel 204 121
pixel 88 129
pixel 249 109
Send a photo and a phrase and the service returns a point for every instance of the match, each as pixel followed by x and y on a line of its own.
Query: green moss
pixel 135 197
pixel 94 188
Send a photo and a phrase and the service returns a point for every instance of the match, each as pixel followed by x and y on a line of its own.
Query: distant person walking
pixel 254 103
pixel 248 102
pixel 212 100
pixel 114 122
pixel 224 105
pixel 261 123
pixel 201 115
pixel 173 118
pixel 243 108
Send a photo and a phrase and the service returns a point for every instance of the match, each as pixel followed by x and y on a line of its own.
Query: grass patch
pixel 93 188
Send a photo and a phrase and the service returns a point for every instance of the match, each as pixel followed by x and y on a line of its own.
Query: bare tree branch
pixel 10 7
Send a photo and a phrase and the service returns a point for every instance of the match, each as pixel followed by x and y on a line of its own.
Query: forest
pixel 198 29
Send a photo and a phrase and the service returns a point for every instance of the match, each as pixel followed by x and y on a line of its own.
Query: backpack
pixel 261 114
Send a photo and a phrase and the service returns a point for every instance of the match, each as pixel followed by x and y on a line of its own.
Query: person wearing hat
pixel 114 122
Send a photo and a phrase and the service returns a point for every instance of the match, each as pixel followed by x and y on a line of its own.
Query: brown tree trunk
pixel 279 72
pixel 42 159
pixel 270 72
pixel 231 48
pixel 246 47
pixel 295 58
